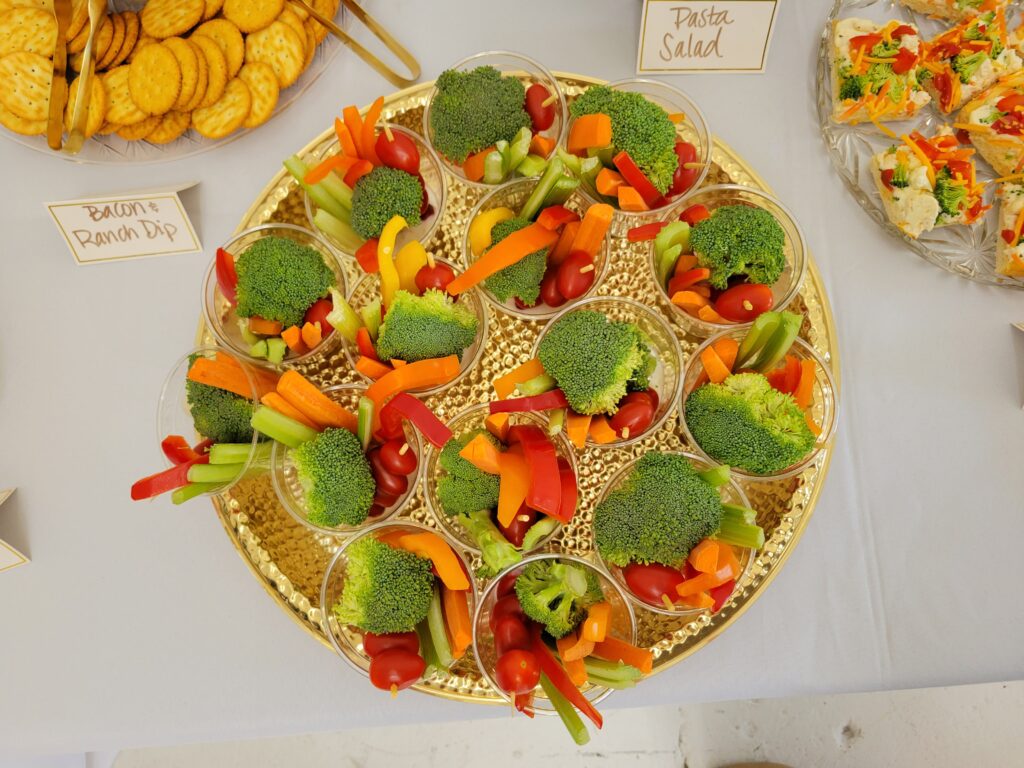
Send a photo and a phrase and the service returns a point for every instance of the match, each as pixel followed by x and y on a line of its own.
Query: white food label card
pixel 126 226
pixel 721 36
pixel 9 556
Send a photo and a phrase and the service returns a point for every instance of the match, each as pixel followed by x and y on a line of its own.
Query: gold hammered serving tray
pixel 289 560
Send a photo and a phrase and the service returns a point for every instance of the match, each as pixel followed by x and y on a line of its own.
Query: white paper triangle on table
pixel 9 556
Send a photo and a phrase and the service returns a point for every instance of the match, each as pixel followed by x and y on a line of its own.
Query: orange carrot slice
pixel 264 327
pixel 474 165
pixel 713 366
pixel 613 649
pixel 577 426
pixel 279 404
pixel 456 619
pixel 303 394
pixel 372 369
pixel 593 227
pixel 704 557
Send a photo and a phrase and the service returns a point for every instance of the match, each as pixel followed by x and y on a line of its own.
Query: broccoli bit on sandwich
pixel 337 478
pixel 465 489
pixel 382 194
pixel 661 512
pixel 217 414
pixel 557 594
pixel 522 279
pixel 966 64
pixel 744 422
pixel 594 361
pixel 640 128
pixel 279 279
pixel 423 327
pixel 474 110
pixel 740 240
pixel 950 193
pixel 386 589
pixel 852 87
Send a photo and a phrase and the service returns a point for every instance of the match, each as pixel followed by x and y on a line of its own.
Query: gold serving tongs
pixel 58 81
pixel 80 114
pixel 380 33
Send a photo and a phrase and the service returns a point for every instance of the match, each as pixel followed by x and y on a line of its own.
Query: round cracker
pixel 131 36
pixel 172 125
pixel 326 8
pixel 121 110
pixel 171 18
pixel 227 114
pixel 116 41
pixel 252 15
pixel 76 44
pixel 202 81
pixel 26 77
pixel 217 69
pixel 27 29
pixel 212 9
pixel 97 111
pixel 279 46
pixel 263 89
pixel 188 63
pixel 288 17
pixel 107 128
pixel 140 130
pixel 79 18
pixel 311 44
pixel 19 124
pixel 100 43
pixel 298 10
pixel 154 79
pixel 226 35
pixel 141 43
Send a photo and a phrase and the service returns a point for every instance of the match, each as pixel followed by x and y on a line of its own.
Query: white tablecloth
pixel 136 624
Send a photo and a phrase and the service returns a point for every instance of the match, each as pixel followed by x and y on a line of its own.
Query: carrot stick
pixel 563 247
pixel 431 546
pixel 293 338
pixel 727 349
pixel 541 145
pixel 593 228
pixel 206 371
pixel 577 425
pixel 266 381
pixel 340 163
pixel 576 668
pixel 474 165
pixel 369 138
pixel 264 327
pixel 348 146
pixel 704 557
pixel 513 487
pixel 302 394
pixel 372 369
pixel 505 385
pixel 482 454
pixel 456 617
pixel 580 649
pixel 608 182
pixel 613 649
pixel 359 169
pixel 354 123
pixel 282 406
pixel 506 253
pixel 713 366
pixel 707 314
pixel 687 299
pixel 601 431
pixel 311 334
pixel 590 131
pixel 805 388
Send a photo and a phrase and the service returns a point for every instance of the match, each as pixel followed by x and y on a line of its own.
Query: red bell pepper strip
pixel 546 401
pixel 177 449
pixel 545 494
pixel 405 406
pixel 227 278
pixel 168 480
pixel 645 231
pixel 721 593
pixel 365 344
pixel 556 673
pixel 203 446
pixel 570 492
pixel 556 216
pixel 366 255
pixel 635 178
pixel 524 703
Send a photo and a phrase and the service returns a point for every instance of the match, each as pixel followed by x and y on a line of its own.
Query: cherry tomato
pixel 396 668
pixel 742 303
pixel 387 481
pixel 374 645
pixel 520 304
pixel 684 177
pixel 636 417
pixel 515 530
pixel 394 460
pixel 649 582
pixel 542 117
pixel 400 152
pixel 887 175
pixel 517 672
pixel 425 208
pixel 695 214
pixel 318 314
pixel 637 397
pixel 549 293
pixel 575 275
pixel 506 606
pixel 510 633
pixel 376 511
pixel 437 276
pixel 507 584
pixel 1008 236
pixel 384 500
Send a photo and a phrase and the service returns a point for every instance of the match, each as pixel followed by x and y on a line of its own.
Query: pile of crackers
pixel 212 65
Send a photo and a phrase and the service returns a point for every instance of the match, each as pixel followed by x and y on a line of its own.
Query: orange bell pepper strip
pixel 392 537
pixel 541 145
pixel 686 262
pixel 506 253
pixel 812 424
pixel 727 559
pixel 727 349
pixel 497 425
pixel 474 165
pixel 595 626
pixel 359 169
pixel 437 551
pixel 293 338
pixel 577 425
pixel 210 372
pixel 707 314
pixel 456 618
pixel 345 141
pixel 704 557
pixel 601 431
pixel 613 649
pixel 593 227
pixel 282 406
pixel 311 334
pixel 513 486
pixel 805 388
pixel 340 163
pixel 418 375
pixel 703 582
pixel 264 327
pixel 580 648
pixel 689 299
pixel 354 123
pixel 698 600
pixel 563 247
pixel 575 667
pixel 303 394
pixel 369 138
pixel 505 386
pixel 630 199
pixel 372 369
pixel 482 454
pixel 590 131
pixel 714 367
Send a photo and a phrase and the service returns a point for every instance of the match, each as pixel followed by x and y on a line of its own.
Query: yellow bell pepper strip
pixel 550 667
pixel 302 394
pixel 421 374
pixel 577 425
pixel 456 618
pixel 482 454
pixel 437 551
pixel 513 486
pixel 704 557
pixel 509 251
pixel 593 227
pixel 613 649
pixel 410 259
pixel 389 280
pixel 480 228
pixel 575 668
pixel 805 388
pixel 595 626
pixel 601 431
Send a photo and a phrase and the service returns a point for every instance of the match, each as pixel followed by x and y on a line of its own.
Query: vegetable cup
pixel 348 640
pixel 783 291
pixel 367 290
pixel 731 493
pixel 220 313
pixel 473 418
pixel 665 380
pixel 528 72
pixel 513 195
pixel 433 181
pixel 292 492
pixel 822 410
pixel 691 128
pixel 622 625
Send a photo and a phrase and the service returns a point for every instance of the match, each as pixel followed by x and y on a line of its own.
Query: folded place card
pixel 126 226
pixel 9 556
pixel 721 36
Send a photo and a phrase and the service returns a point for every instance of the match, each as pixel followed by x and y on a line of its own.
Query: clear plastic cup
pixel 667 377
pixel 784 290
pixel 220 314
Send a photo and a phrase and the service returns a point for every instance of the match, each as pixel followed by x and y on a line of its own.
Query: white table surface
pixel 137 624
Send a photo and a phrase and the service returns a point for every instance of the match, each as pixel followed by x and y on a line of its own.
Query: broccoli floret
pixel 279 279
pixel 465 489
pixel 382 194
pixel 422 327
pixel 496 551
pixel 900 175
pixel 557 594
pixel 966 64
pixel 641 378
pixel 950 195
pixel 740 240
pixel 521 279
pixel 473 110
pixel 744 422
pixel 386 589
pixel 852 87
pixel 885 50
pixel 337 478
pixel 217 414
pixel 593 360
pixel 640 128
pixel 661 511
pixel 973 31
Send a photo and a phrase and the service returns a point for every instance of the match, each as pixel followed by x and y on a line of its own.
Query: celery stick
pixel 561 191
pixel 259 349
pixel 343 318
pixel 538 385
pixel 760 331
pixel 243 329
pixel 570 719
pixel 673 233
pixel 533 203
pixel 569 160
pixel 611 670
pixel 739 514
pixel 331 225
pixel 364 421
pixel 494 171
pixel 435 625
pixel 214 473
pixel 556 421
pixel 427 649
pixel 238 453
pixel 735 532
pixel 276 349
pixel 519 148
pixel 317 194
pixel 190 491
pixel 333 184
pixel 666 263
pixel 531 165
pixel 279 427
pixel 538 531
pixel 778 344
pixel 716 476
pixel 371 317
pixel 604 154
pixel 606 682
